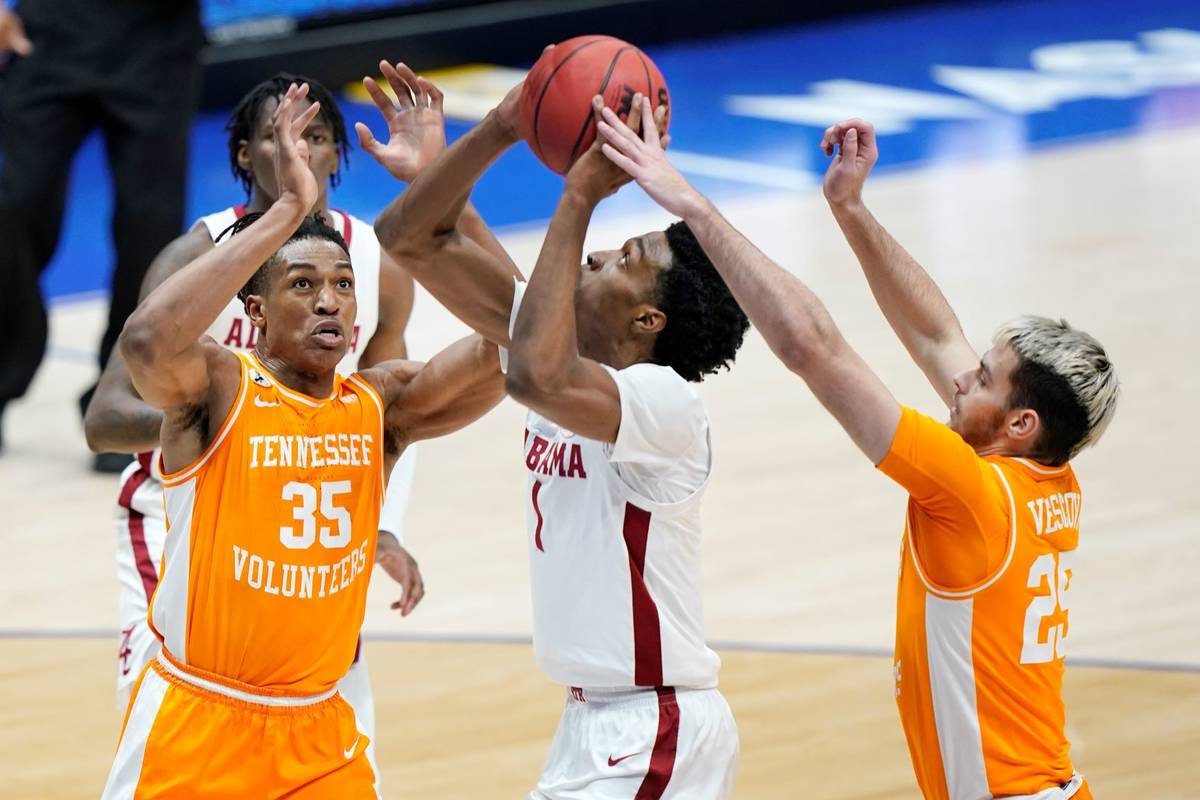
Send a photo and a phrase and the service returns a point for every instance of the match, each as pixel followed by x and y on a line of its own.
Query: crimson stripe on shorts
pixel 137 531
pixel 346 230
pixel 647 638
pixel 537 534
pixel 662 757
pixel 239 211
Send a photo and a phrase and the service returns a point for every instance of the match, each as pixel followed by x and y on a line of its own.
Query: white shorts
pixel 141 533
pixel 641 744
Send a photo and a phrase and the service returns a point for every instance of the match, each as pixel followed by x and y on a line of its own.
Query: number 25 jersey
pixel 982 614
pixel 271 536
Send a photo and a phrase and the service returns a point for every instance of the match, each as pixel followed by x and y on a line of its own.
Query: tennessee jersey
pixel 982 616
pixel 271 537
pixel 233 329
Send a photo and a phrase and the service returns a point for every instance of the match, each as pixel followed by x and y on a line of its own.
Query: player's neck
pixel 315 385
pixel 260 203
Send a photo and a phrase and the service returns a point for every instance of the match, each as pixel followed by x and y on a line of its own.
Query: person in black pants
pixel 130 69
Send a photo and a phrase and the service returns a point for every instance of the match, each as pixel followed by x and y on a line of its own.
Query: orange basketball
pixel 556 102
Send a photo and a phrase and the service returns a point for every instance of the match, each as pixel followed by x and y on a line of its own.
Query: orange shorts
pixel 189 735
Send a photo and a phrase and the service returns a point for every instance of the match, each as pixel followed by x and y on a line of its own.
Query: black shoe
pixel 111 463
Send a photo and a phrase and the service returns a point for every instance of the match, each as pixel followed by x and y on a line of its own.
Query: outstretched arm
pixel 910 300
pixel 789 316
pixel 161 342
pixel 545 370
pixel 430 229
pixel 453 389
pixel 118 420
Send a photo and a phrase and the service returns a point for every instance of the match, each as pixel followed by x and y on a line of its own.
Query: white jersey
pixel 233 328
pixel 614 540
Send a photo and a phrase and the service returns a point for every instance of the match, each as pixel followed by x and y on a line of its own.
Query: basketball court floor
pixel 1084 207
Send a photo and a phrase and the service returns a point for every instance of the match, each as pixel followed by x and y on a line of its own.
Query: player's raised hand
pixel 12 34
pixel 595 174
pixel 854 140
pixel 508 112
pixel 416 123
pixel 642 155
pixel 291 150
pixel 403 569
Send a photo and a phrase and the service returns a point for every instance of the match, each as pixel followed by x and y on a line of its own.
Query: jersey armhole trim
pixel 664 510
pixel 357 380
pixel 962 594
pixel 181 475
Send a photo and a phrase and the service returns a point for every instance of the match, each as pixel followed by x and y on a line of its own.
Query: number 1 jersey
pixel 271 537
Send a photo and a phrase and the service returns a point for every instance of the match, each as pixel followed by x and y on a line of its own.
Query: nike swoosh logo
pixel 612 762
pixel 258 401
pixel 349 751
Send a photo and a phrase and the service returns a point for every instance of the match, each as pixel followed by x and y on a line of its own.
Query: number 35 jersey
pixel 982 614
pixel 271 536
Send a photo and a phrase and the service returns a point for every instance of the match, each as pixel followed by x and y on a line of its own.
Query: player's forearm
pixel 792 320
pixel 432 204
pixel 175 315
pixel 912 303
pixel 131 427
pixel 473 226
pixel 544 347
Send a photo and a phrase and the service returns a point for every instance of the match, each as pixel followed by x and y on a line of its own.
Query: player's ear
pixel 1024 425
pixel 648 319
pixel 243 154
pixel 254 310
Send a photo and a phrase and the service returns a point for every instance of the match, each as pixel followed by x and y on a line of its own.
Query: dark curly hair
pixel 244 119
pixel 314 227
pixel 705 325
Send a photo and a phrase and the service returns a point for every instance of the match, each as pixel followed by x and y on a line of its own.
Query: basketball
pixel 556 103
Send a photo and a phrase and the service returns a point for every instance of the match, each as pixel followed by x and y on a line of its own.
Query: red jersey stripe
pixel 647 635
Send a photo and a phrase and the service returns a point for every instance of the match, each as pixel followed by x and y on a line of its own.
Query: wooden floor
pixel 802 535
pixel 818 727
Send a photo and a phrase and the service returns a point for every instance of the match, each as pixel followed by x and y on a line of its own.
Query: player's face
pixel 309 309
pixel 258 154
pixel 616 289
pixel 980 408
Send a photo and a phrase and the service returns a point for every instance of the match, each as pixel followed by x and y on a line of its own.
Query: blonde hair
pixel 1076 359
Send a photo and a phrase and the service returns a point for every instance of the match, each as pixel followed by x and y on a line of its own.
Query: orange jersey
pixel 271 537
pixel 981 614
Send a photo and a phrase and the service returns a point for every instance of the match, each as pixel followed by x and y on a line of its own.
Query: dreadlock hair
pixel 244 119
pixel 314 227
pixel 705 325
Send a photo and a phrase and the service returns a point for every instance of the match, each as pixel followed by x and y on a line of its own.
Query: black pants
pixel 136 79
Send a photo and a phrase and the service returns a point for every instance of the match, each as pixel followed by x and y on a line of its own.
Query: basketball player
pixel 274 469
pixel 120 421
pixel 617 452
pixel 993 511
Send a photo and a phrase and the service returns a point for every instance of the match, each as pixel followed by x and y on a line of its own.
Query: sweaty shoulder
pixel 662 415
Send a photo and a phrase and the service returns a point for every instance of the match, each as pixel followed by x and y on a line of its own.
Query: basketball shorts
pixel 642 744
pixel 193 735
pixel 141 535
